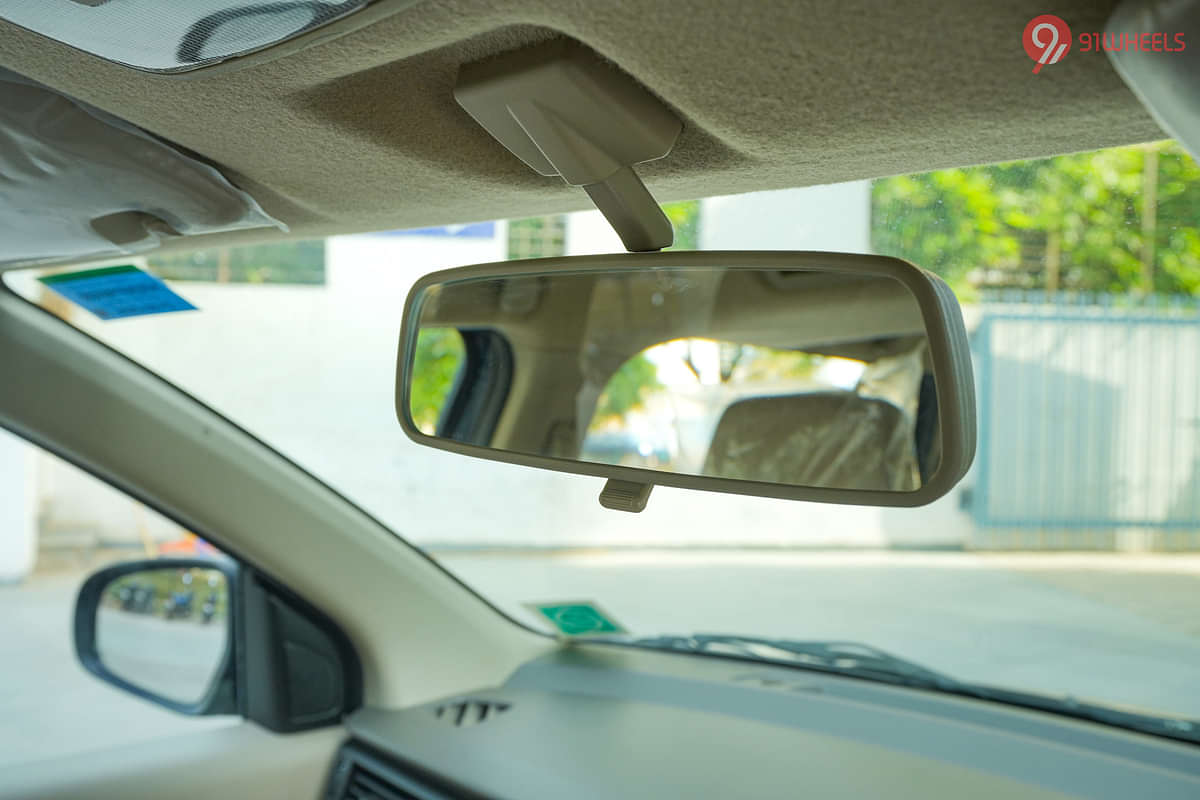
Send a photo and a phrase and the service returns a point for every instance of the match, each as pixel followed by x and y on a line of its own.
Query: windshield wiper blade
pixel 863 661
pixel 843 658
pixel 1186 730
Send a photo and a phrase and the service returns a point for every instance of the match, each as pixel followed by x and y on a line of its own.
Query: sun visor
pixel 1159 64
pixel 76 182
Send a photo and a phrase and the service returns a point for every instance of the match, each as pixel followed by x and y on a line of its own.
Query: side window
pixel 58 525
pixel 445 361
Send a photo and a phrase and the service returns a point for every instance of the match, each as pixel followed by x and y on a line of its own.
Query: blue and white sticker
pixel 117 292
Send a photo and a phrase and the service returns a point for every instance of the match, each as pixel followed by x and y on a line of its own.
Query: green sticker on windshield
pixel 576 619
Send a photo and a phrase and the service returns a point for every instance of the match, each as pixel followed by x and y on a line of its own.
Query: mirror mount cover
pixel 564 111
pixel 628 488
pixel 297 669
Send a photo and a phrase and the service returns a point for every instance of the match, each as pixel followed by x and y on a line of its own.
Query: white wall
pixel 588 233
pixel 17 508
pixel 370 274
pixel 312 370
pixel 389 263
pixel 78 510
pixel 832 217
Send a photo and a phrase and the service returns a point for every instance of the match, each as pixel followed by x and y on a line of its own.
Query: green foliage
pixel 1107 221
pixel 685 218
pixel 439 356
pixel 165 580
pixel 627 388
pixel 537 237
pixel 285 262
pixel 768 365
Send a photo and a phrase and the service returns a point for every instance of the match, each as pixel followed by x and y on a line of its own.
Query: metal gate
pixel 1089 423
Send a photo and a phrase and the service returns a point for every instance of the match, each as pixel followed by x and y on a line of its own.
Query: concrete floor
pixel 1118 628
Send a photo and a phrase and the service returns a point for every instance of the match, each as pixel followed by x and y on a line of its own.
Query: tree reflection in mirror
pixel 439 357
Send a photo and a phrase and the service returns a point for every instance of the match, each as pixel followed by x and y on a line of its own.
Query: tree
pixel 627 388
pixel 766 365
pixel 1108 221
pixel 685 219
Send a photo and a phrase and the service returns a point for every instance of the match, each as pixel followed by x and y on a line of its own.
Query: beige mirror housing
pixel 548 336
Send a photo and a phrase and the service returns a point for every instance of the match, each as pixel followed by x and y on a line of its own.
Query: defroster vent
pixel 464 713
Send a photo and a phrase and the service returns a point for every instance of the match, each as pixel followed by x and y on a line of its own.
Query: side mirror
pixel 162 630
pixel 208 636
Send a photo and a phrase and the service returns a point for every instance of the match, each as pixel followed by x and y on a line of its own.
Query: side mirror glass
pixel 163 630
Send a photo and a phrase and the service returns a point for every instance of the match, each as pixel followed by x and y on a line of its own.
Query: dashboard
pixel 595 721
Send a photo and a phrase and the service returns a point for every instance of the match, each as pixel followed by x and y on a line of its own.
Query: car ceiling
pixel 353 127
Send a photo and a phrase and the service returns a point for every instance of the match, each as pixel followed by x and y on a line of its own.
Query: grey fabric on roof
pixel 359 131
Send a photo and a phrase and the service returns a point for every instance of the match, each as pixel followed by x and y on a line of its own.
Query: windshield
pixel 1067 563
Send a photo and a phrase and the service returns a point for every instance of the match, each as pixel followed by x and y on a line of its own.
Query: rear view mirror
pixel 810 376
pixel 162 630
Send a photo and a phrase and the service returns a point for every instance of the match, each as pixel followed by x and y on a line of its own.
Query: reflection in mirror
pixel 165 630
pixel 440 353
pixel 799 377
pixel 741 411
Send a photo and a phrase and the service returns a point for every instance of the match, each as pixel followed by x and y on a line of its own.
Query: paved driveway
pixel 1113 627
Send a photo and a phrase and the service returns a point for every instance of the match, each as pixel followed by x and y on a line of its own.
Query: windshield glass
pixel 1067 563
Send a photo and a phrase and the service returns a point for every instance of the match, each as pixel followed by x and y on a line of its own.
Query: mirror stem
pixel 632 211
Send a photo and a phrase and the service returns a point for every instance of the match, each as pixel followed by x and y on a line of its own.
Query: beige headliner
pixel 358 131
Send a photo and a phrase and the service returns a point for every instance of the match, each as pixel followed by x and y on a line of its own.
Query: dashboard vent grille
pixel 364 784
pixel 465 713
pixel 361 775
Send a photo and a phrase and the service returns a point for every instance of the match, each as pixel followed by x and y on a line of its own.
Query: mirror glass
pixel 800 377
pixel 165 630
